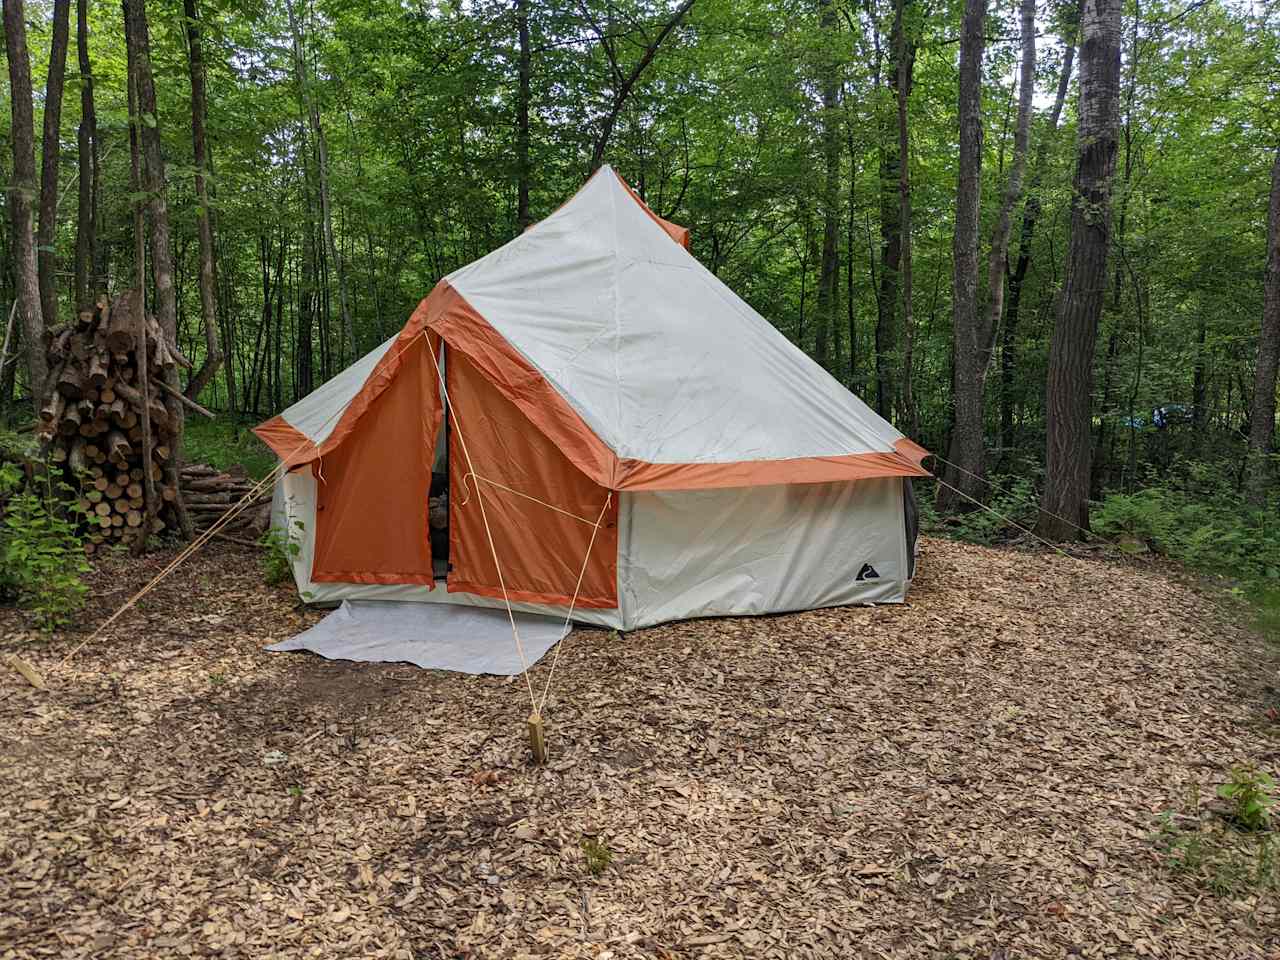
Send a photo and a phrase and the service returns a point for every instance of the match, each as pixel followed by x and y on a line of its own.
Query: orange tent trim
pixel 448 314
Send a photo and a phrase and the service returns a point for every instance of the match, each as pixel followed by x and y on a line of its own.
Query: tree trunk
pixel 137 305
pixel 204 222
pixel 972 337
pixel 523 217
pixel 1065 505
pixel 829 270
pixel 1030 216
pixel 50 154
pixel 886 332
pixel 87 157
pixel 903 87
pixel 22 196
pixel 153 181
pixel 1262 419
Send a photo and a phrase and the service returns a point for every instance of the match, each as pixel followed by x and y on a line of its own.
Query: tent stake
pixel 537 738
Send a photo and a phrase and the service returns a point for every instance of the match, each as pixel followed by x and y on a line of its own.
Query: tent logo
pixel 868 572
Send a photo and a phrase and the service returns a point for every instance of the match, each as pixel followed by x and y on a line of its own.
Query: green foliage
pixel 223 442
pixel 1196 516
pixel 598 855
pixel 1215 857
pixel 42 562
pixel 1249 794
pixel 1013 499
pixel 279 550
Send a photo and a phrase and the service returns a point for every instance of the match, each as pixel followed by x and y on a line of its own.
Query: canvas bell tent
pixel 619 432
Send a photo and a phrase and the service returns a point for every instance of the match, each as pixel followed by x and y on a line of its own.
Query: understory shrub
pixel 1011 498
pixel 278 552
pixel 42 561
pixel 1196 516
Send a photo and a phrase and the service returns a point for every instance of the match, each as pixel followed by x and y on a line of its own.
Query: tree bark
pixel 972 337
pixel 523 173
pixel 138 45
pixel 87 158
pixel 1030 217
pixel 50 154
pixel 204 221
pixel 1262 418
pixel 903 88
pixel 829 269
pixel 888 401
pixel 1065 505
pixel 22 196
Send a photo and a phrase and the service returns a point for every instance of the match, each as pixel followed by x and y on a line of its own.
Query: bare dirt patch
pixel 973 774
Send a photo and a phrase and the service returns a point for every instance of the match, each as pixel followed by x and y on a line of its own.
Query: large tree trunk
pixel 971 335
pixel 1030 217
pixel 887 365
pixel 51 153
pixel 1262 419
pixel 829 270
pixel 22 196
pixel 87 157
pixel 523 173
pixel 1065 505
pixel 153 181
pixel 903 86
pixel 204 222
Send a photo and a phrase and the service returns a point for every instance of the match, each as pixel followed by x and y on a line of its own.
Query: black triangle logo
pixel 868 572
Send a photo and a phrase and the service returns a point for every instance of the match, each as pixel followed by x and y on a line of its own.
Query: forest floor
pixel 976 773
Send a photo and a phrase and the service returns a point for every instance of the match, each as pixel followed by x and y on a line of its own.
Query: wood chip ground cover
pixel 975 773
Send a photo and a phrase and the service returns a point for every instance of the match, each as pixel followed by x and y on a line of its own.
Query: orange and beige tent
pixel 621 433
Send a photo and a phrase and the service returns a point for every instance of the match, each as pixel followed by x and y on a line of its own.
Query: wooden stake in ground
pixel 537 739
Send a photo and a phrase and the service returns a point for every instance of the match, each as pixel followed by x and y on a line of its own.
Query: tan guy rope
pixel 234 511
pixel 546 690
pixel 493 550
pixel 500 486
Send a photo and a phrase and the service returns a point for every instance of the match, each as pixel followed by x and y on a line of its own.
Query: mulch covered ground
pixel 973 774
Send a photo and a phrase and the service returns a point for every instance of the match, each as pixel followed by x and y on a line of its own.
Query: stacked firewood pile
pixel 92 418
pixel 209 493
pixel 92 425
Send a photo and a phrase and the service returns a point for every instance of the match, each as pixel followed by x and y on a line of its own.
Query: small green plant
pixel 217 679
pixel 42 561
pixel 1216 858
pixel 1249 794
pixel 598 855
pixel 279 550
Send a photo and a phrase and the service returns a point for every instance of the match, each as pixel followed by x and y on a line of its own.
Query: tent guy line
pixel 512 490
pixel 232 512
pixel 493 550
pixel 555 658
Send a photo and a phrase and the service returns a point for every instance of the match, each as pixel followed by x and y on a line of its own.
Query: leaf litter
pixel 975 773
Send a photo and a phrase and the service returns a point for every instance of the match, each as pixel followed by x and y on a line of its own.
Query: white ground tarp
pixel 438 636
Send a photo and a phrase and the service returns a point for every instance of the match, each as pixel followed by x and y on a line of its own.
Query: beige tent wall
pixel 700 553
pixel 759 550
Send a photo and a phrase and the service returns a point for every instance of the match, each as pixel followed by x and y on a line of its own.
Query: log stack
pixel 91 422
pixel 209 493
